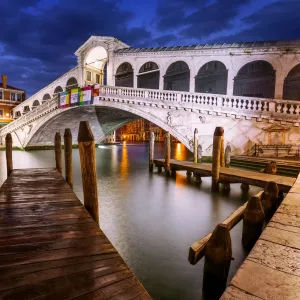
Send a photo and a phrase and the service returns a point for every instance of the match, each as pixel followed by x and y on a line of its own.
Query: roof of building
pixel 11 87
pixel 214 46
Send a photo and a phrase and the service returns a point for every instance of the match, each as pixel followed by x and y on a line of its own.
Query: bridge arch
pixel 148 77
pixel 46 97
pixel 57 90
pixel 212 78
pixel 177 77
pixel 291 86
pixel 255 79
pixel 104 119
pixel 72 83
pixel 35 104
pixel 124 75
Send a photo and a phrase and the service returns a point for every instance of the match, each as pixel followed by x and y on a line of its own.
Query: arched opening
pixel 72 83
pixel 177 77
pixel 148 77
pixel 212 78
pixel 57 90
pixel 95 63
pixel 35 104
pixel 124 75
pixel 291 86
pixel 46 97
pixel 255 79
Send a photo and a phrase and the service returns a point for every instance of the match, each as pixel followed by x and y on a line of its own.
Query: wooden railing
pixel 216 246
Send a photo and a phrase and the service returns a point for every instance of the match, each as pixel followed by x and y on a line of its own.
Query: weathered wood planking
pixel 272 268
pixel 232 175
pixel 50 246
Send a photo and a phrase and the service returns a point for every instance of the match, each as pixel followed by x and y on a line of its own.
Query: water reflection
pixel 150 219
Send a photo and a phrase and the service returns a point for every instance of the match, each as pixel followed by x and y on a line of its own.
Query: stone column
pixel 192 83
pixel 230 82
pixel 279 87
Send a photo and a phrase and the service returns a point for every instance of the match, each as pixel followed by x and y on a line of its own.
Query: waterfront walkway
pixel 50 246
pixel 230 175
pixel 271 270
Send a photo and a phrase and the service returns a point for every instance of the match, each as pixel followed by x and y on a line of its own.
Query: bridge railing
pixel 214 103
pixel 28 117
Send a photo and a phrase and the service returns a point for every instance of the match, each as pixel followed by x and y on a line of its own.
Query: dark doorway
pixel 291 86
pixel 212 78
pixel 255 79
pixel 124 75
pixel 148 77
pixel 177 77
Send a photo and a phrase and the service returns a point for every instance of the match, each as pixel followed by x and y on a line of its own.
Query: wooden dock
pixel 271 270
pixel 51 248
pixel 230 175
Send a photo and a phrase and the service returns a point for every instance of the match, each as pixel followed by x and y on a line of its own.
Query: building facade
pixel 10 97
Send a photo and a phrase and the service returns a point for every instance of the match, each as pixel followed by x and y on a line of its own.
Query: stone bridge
pixel 251 89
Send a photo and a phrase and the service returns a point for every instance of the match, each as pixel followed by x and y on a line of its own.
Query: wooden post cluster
pixel 218 255
pixel 151 151
pixel 68 156
pixel 87 153
pixel 222 153
pixel 167 153
pixel 57 143
pixel 253 221
pixel 195 145
pixel 270 199
pixel 8 150
pixel 216 159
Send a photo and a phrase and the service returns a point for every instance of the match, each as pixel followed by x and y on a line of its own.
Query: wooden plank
pixel 233 293
pixel 266 283
pixel 50 247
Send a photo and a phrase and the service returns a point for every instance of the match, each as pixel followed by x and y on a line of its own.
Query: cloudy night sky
pixel 38 38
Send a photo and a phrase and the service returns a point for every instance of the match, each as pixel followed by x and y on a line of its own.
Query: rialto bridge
pixel 251 89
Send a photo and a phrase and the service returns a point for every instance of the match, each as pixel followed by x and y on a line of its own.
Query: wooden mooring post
pixel 57 143
pixel 253 221
pixel 195 145
pixel 87 153
pixel 270 199
pixel 216 159
pixel 222 153
pixel 68 156
pixel 151 151
pixel 167 153
pixel 8 151
pixel 218 255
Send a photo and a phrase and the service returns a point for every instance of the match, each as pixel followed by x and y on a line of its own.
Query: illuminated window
pixel 12 96
pixel 97 78
pixel 88 76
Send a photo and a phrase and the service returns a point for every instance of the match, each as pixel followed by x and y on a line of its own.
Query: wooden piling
pixel 253 221
pixel 195 145
pixel 57 144
pixel 87 153
pixel 216 159
pixel 189 175
pixel 167 153
pixel 222 153
pixel 270 199
pixel 8 150
pixel 151 151
pixel 68 156
pixel 218 255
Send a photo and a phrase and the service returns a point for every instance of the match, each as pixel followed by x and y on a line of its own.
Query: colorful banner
pixel 96 94
pixel 86 95
pixel 74 97
pixel 64 99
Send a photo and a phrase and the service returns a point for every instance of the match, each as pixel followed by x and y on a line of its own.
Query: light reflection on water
pixel 150 219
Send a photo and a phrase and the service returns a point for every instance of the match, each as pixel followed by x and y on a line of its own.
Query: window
pixel 19 98
pixel 88 76
pixel 1 95
pixel 97 78
pixel 12 96
pixel 1 113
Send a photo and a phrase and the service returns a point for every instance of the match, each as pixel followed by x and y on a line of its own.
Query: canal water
pixel 152 220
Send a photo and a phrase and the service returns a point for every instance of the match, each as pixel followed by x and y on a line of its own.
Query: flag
pixel 74 97
pixel 64 99
pixel 96 94
pixel 86 95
